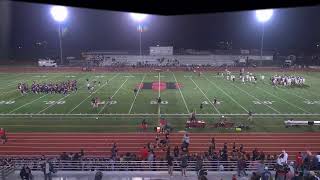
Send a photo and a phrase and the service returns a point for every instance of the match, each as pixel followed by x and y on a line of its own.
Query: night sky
pixel 24 24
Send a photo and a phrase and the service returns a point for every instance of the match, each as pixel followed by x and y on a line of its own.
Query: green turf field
pixel 73 112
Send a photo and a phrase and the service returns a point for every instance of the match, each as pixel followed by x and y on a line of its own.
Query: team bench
pixel 297 123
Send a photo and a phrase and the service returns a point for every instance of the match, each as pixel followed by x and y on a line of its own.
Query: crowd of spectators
pixel 302 166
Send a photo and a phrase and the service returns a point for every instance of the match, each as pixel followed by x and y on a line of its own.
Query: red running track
pixel 99 144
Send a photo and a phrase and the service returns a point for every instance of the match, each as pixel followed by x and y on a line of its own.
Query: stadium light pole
pixel 139 18
pixel 59 14
pixel 263 16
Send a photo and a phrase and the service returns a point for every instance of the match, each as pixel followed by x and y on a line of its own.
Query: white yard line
pixel 294 94
pixel 27 103
pixel 92 94
pixel 285 101
pixel 184 101
pixel 226 94
pixel 205 96
pixel 135 97
pixel 105 104
pixel 255 98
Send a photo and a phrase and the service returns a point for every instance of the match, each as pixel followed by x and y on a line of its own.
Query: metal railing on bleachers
pixel 110 165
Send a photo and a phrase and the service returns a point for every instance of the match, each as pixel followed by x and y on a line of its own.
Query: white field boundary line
pixel 255 98
pixel 105 104
pixel 284 100
pixel 148 114
pixel 205 96
pixel 60 98
pixel 135 97
pixel 184 101
pixel 92 93
pixel 226 94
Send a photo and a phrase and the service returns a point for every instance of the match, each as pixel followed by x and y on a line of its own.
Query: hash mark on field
pixel 285 101
pixel 255 98
pixel 113 95
pixel 226 94
pixel 184 101
pixel 135 97
pixel 92 93
pixel 205 96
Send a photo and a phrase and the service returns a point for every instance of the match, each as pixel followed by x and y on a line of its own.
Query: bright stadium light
pixel 138 17
pixel 59 14
pixel 263 16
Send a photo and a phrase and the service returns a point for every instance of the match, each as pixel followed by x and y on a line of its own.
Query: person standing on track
pixel 3 136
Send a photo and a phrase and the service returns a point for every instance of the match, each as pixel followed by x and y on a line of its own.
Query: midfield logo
pixel 156 86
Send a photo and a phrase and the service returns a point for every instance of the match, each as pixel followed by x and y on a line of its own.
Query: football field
pixel 181 93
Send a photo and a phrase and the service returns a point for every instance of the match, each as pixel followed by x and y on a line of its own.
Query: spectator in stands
pixel 64 156
pixel 199 163
pixel 176 152
pixel 98 175
pixel 114 151
pixel 186 140
pixel 241 166
pixel 170 164
pixel 151 156
pixel 254 176
pixel 144 153
pixel 25 173
pixel 3 136
pixel 48 169
pixel 318 161
pixel 184 164
pixel 266 174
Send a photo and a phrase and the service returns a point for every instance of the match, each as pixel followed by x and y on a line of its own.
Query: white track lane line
pixel 285 101
pixel 135 97
pixel 92 93
pixel 184 101
pixel 205 96
pixel 226 94
pixel 256 98
pixel 105 104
